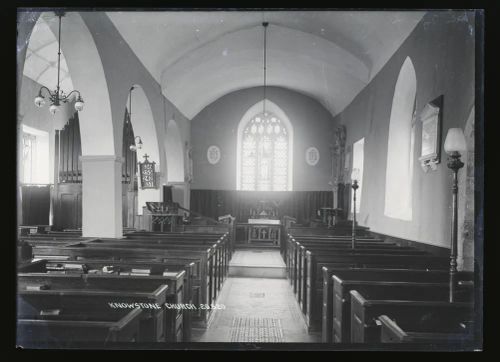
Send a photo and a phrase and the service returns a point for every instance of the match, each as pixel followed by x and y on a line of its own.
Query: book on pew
pixel 135 274
pixel 55 266
pixel 169 274
pixel 37 287
pixel 109 269
pixel 141 271
pixel 50 312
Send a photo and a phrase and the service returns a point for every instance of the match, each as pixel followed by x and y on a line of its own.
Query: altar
pixel 262 230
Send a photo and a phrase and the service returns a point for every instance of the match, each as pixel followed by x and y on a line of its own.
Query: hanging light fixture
pixel 58 96
pixel 265 25
pixel 137 139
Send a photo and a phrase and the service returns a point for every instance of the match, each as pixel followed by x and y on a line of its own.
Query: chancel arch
pixel 264 149
pixel 400 146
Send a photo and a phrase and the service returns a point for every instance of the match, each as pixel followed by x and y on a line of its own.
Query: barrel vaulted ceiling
pixel 198 57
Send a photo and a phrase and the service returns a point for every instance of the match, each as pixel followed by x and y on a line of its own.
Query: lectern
pixel 163 213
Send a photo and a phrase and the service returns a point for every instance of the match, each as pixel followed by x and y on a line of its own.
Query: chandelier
pixel 58 96
pixel 265 25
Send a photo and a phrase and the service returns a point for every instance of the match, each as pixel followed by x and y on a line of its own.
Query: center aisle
pixel 257 309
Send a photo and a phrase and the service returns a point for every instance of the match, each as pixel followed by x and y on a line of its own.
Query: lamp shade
pixel 355 174
pixel 455 141
pixel 39 101
pixel 53 109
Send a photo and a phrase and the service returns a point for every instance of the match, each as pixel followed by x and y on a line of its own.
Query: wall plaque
pixel 312 156
pixel 213 154
pixel 431 135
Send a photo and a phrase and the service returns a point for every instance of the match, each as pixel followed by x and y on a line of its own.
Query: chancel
pixel 248 176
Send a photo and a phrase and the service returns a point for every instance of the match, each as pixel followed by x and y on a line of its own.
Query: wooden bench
pixel 430 305
pixel 409 275
pixel 63 295
pixel 36 331
pixel 436 331
pixel 334 231
pixel 293 252
pixel 315 262
pixel 223 249
pixel 201 259
pixel 307 274
pixel 216 261
pixel 292 244
pixel 168 272
pixel 174 279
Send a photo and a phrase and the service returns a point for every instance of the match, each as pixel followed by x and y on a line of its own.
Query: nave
pixel 249 178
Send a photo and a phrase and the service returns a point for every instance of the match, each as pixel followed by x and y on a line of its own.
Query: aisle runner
pixel 256 330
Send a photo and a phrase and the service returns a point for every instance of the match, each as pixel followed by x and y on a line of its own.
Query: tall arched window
pixel 264 151
pixel 400 150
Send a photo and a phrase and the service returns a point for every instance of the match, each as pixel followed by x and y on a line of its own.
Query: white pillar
pixel 102 197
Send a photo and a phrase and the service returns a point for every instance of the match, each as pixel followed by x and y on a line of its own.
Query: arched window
pixel 400 150
pixel 264 152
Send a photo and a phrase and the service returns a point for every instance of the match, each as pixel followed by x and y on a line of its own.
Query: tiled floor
pixel 257 309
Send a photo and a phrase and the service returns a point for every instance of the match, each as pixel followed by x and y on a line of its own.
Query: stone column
pixel 102 196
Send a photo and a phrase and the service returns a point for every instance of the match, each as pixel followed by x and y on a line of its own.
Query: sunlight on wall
pixel 35 156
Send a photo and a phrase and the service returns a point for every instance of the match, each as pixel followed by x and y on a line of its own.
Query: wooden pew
pixel 174 279
pixel 179 291
pixel 200 258
pixel 328 240
pixel 120 325
pixel 314 263
pixel 69 294
pixel 307 275
pixel 190 236
pixel 339 231
pixel 365 311
pixel 222 241
pixel 438 330
pixel 386 290
pixel 293 248
pixel 408 275
pixel 32 229
pixel 217 257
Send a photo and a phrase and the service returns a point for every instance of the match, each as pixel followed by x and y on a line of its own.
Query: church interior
pixel 251 177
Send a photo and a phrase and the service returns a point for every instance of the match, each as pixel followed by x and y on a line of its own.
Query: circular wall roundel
pixel 312 156
pixel 213 154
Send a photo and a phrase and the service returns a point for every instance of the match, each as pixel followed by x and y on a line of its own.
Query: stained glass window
pixel 264 162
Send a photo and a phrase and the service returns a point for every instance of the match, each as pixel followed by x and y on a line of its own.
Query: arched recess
pixel 466 201
pixel 257 108
pixel 81 69
pixel 400 146
pixel 143 124
pixel 174 153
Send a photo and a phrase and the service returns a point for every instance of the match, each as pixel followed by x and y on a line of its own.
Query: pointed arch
pixel 255 110
pixel 143 124
pixel 400 146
